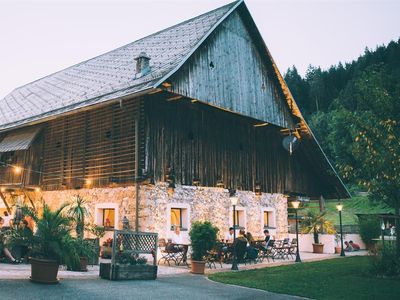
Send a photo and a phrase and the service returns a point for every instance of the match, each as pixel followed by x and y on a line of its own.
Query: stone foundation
pixel 203 203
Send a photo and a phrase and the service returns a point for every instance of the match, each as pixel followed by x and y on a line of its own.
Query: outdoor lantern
pixel 339 208
pixel 258 189
pixel 17 170
pixel 383 227
pixel 196 182
pixel 37 190
pixel 88 182
pixel 296 204
pixel 220 184
pixel 3 189
pixel 234 200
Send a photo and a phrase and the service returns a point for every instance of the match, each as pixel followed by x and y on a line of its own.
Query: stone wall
pixel 205 203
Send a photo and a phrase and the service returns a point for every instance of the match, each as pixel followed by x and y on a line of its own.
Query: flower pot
pixel 318 248
pixel 106 251
pixel 198 267
pixel 44 270
pixel 338 250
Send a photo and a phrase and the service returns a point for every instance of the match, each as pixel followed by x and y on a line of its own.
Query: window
pixel 240 218
pixel 176 217
pixel 268 218
pixel 178 214
pixel 236 218
pixel 109 217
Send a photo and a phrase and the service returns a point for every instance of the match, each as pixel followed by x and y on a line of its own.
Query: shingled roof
pixel 110 75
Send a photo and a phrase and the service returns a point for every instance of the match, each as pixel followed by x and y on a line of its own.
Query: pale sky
pixel 39 37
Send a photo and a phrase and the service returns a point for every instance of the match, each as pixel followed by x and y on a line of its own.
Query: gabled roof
pixel 108 76
pixel 112 75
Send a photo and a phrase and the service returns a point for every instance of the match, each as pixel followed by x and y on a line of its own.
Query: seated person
pixel 356 247
pixel 3 248
pixel 229 236
pixel 267 238
pixel 348 248
pixel 178 243
pixel 249 238
pixel 27 234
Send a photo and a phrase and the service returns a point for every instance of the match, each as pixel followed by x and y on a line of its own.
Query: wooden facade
pixel 198 122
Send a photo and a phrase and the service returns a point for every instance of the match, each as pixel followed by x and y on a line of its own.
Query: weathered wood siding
pixel 28 160
pixel 227 71
pixel 96 145
pixel 199 142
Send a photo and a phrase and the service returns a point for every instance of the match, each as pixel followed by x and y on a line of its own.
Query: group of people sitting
pixel 6 225
pixel 243 237
pixel 351 246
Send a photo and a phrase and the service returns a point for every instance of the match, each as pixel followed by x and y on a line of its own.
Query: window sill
pixel 182 229
pixel 268 227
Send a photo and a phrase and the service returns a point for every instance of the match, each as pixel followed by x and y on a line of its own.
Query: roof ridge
pixel 126 45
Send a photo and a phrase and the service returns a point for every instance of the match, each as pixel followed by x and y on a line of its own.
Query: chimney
pixel 142 65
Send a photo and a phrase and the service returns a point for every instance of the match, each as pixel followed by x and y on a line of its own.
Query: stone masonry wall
pixel 206 203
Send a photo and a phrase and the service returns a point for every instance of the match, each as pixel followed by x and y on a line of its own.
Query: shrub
pixel 385 262
pixel 203 236
pixel 369 228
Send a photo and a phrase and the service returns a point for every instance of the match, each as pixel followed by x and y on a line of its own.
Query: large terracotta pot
pixel 338 250
pixel 198 267
pixel 44 270
pixel 318 248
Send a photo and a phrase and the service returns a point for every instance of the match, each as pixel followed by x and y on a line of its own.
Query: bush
pixel 203 236
pixel 369 228
pixel 385 262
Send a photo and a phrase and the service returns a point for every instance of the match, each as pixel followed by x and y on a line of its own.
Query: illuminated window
pixel 176 217
pixel 268 218
pixel 240 218
pixel 109 217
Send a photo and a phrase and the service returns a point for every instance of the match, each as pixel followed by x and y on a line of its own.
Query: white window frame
pixel 242 217
pixel 273 223
pixel 185 215
pixel 98 216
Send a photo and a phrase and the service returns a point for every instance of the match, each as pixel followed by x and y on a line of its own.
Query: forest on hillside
pixel 354 111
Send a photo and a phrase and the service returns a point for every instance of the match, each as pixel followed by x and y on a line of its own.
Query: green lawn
pixel 351 207
pixel 341 278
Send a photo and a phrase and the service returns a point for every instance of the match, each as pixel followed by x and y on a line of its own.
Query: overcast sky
pixel 39 37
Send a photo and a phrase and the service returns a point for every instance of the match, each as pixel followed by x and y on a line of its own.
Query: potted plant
pixel 51 244
pixel 203 237
pixel 316 223
pixel 85 251
pixel 98 232
pixel 338 247
pixel 106 248
pixel 78 211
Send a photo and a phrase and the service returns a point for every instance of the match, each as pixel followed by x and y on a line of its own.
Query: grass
pixel 341 278
pixel 353 206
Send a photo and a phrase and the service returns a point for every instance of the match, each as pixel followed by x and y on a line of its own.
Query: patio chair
pixel 241 246
pixel 293 248
pixel 168 253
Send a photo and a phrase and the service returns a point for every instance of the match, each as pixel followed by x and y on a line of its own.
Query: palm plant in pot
pixel 316 223
pixel 51 244
pixel 203 237
pixel 79 211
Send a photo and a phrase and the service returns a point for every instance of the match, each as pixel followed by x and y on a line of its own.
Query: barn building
pixel 157 130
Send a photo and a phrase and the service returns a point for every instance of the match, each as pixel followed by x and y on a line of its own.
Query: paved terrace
pixel 22 271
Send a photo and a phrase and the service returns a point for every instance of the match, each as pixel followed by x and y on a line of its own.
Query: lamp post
pixel 339 208
pixel 234 200
pixel 383 235
pixel 296 205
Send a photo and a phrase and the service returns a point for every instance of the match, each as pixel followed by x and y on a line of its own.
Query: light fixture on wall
pixel 3 189
pixel 17 169
pixel 37 189
pixel 170 177
pixel 257 189
pixel 220 183
pixel 88 182
pixel 196 182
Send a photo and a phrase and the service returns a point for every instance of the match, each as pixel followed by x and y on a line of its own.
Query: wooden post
pixel 137 189
pixel 321 203
pixel 5 202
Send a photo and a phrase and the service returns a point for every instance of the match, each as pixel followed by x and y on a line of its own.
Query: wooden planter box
pixel 128 272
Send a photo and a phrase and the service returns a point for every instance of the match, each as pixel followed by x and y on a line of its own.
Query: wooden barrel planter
pixel 128 272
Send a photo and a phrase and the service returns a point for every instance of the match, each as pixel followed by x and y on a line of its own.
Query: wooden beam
pixel 29 198
pixel 5 202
